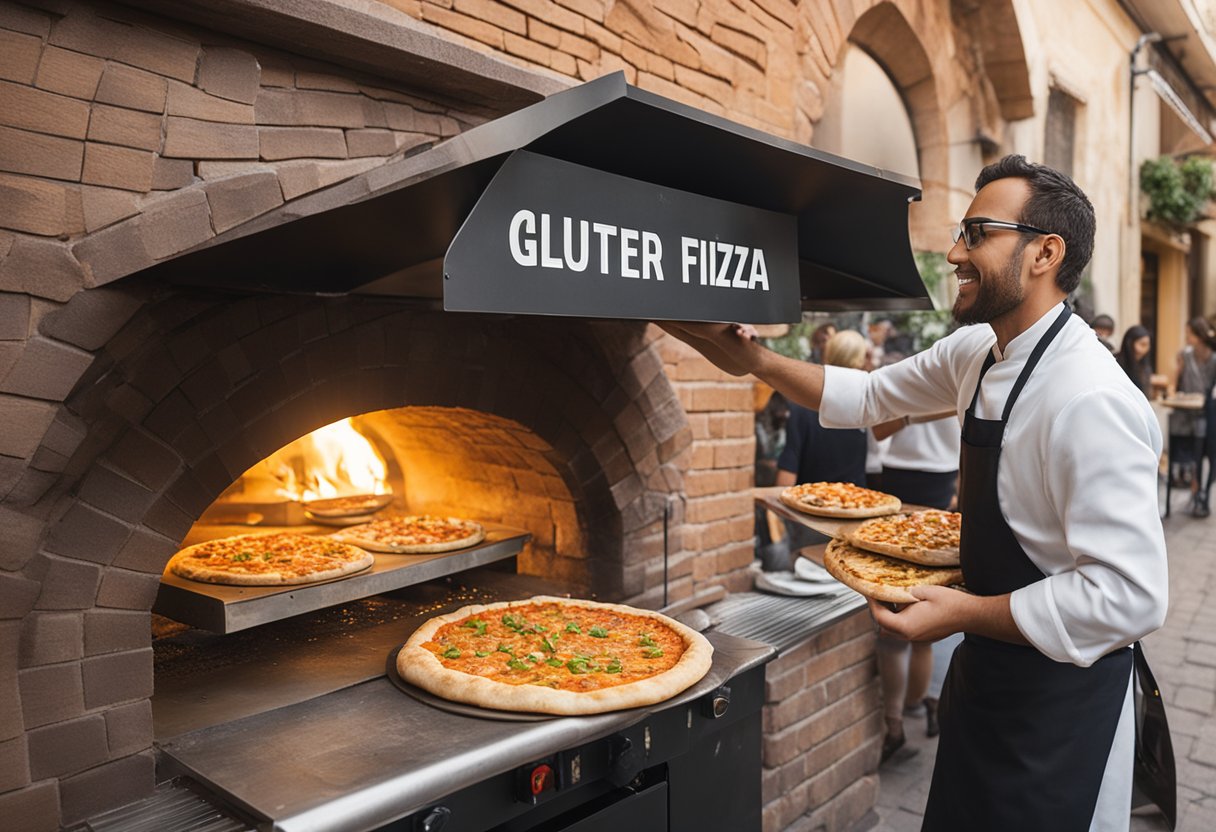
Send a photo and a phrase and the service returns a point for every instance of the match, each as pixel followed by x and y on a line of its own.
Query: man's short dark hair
pixel 1103 322
pixel 1055 204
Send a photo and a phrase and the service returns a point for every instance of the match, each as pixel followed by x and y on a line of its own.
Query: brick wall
pixel 823 731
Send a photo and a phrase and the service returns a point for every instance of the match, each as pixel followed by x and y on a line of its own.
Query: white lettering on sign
pixel 723 264
pixel 638 253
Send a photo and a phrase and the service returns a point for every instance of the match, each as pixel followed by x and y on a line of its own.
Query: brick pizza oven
pixel 128 404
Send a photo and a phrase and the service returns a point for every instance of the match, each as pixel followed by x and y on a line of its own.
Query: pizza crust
pixel 183 566
pixel 889 506
pixel 421 667
pixel 358 536
pixel 845 561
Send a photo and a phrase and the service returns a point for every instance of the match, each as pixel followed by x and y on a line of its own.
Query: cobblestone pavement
pixel 1183 657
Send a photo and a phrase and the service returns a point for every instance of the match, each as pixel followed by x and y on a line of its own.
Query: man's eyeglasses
pixel 972 230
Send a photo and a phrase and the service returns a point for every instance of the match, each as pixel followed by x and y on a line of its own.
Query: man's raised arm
pixel 733 349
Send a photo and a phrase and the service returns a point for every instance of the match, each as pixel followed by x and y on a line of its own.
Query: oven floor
pixel 204 679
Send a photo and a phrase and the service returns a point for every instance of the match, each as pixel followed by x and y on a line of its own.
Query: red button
pixel 542 779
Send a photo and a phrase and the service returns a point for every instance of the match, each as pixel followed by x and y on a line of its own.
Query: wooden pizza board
pixel 770 498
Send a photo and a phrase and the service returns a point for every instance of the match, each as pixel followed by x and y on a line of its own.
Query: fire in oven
pixel 282 704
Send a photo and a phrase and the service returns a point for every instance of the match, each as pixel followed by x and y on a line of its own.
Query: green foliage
pixel 1177 192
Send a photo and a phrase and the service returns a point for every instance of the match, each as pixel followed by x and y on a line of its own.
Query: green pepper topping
pixel 513 622
pixel 451 653
pixel 653 652
pixel 598 632
pixel 554 662
pixel 548 644
pixel 476 624
pixel 577 665
pixel 502 648
pixel 614 666
pixel 647 641
pixel 516 664
pixel 481 654
pixel 571 627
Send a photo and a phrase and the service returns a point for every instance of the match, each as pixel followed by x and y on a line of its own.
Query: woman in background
pixel 1195 373
pixel 1133 358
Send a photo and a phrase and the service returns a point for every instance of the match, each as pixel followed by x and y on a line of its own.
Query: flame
pixel 333 461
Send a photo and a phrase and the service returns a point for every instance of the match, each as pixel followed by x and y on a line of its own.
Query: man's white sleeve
pixel 1100 471
pixel 918 386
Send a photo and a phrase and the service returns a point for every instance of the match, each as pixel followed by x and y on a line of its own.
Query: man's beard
pixel 996 295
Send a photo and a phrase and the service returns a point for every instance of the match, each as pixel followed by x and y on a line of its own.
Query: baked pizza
pixel 927 537
pixel 839 499
pixel 414 534
pixel 269 560
pixel 351 506
pixel 554 656
pixel 881 577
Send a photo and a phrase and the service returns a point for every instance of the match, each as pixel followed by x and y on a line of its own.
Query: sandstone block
pixel 129 727
pixel 301 142
pixel 42 268
pixel 14 317
pixel 171 174
pixel 33 206
pixel 241 198
pixel 50 638
pixel 112 253
pixel 495 13
pixel 28 108
pixel 230 73
pixel 69 73
pixel 68 747
pixel 308 108
pixel 117 677
pixel 462 24
pixel 14 764
pixel 32 809
pixel 118 167
pixel 19 56
pixel 370 143
pixel 310 80
pixel 46 370
pixel 180 222
pixel 39 155
pixel 527 49
pixel 22 18
pixel 190 102
pixel 105 206
pixel 125 86
pixel 192 139
pixel 126 590
pixel 146 48
pixel 51 693
pixel 129 128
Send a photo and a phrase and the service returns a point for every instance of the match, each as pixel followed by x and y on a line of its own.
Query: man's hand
pixel 941 611
pixel 731 347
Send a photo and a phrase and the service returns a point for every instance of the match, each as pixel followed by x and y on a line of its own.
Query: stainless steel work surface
pixel 227 609
pixel 205 679
pixel 366 755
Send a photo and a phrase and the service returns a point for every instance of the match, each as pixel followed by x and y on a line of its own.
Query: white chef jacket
pixel 1077 484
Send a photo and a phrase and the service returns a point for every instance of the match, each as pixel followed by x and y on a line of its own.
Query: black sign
pixel 553 238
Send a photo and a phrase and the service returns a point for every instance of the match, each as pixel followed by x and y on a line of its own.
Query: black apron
pixel 1024 738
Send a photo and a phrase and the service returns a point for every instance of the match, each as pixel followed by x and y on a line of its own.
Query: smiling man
pixel 1062 548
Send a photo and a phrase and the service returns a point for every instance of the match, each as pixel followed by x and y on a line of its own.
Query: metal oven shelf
pixel 226 609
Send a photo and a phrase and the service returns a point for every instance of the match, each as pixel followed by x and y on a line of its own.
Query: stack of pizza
pixel 886 555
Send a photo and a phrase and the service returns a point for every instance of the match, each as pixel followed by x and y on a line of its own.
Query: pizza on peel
pixel 839 499
pixel 881 577
pixel 554 656
pixel 929 537
pixel 269 560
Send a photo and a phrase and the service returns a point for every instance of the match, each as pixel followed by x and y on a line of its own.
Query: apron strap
pixel 1035 355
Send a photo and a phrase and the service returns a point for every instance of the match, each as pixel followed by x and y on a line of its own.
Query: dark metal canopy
pixel 387 233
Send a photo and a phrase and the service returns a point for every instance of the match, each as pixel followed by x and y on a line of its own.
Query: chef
pixel 1062 548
